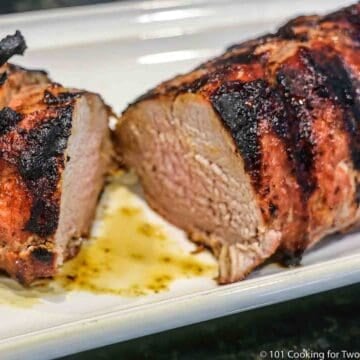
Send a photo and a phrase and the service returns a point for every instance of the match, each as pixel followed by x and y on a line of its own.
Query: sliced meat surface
pixel 256 151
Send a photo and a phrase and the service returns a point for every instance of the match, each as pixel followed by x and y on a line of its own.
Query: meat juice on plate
pixel 129 254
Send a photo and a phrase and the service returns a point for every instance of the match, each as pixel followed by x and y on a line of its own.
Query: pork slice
pixel 55 153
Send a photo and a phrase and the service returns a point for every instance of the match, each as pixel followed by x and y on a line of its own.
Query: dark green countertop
pixel 317 323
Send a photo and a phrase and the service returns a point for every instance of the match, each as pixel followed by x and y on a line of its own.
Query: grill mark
pixel 305 81
pixel 296 85
pixel 343 89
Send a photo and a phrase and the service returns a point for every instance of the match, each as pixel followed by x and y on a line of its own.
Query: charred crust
pixel 43 255
pixel 11 45
pixel 242 106
pixel 44 217
pixel 43 145
pixel 59 99
pixel 238 105
pixel 40 165
pixel 8 120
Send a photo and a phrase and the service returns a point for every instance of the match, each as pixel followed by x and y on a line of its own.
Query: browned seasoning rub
pixel 258 150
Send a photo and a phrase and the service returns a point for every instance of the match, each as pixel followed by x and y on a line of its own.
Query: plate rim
pixel 67 338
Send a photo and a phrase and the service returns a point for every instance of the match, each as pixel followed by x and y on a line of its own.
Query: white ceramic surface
pixel 121 50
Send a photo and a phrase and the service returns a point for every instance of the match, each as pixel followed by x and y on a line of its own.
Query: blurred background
pixel 9 6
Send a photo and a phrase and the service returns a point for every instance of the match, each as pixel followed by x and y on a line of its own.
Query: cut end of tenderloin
pixel 193 175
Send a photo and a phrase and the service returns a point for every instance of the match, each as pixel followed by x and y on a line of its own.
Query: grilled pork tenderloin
pixel 256 151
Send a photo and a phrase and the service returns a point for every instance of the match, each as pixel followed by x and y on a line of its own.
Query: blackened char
pixel 239 106
pixel 38 166
pixel 11 45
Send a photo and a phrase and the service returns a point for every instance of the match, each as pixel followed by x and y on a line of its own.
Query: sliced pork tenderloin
pixel 55 152
pixel 54 155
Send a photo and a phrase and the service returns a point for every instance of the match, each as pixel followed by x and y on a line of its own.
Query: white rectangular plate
pixel 120 51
